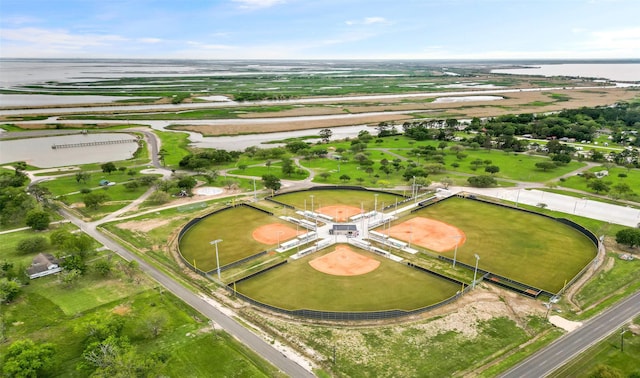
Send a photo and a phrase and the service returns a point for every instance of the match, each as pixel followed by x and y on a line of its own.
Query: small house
pixel 42 265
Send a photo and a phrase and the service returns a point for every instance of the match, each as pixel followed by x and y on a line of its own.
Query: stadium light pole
pixel 215 242
pixel 475 272
pixel 414 191
pixel 455 251
pixel 255 193
pixel 279 233
pixel 375 203
pixel 312 203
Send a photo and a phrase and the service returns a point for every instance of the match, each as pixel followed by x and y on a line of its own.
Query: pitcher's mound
pixel 344 262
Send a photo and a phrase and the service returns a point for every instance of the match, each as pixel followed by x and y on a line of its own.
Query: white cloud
pixel 58 38
pixel 150 40
pixel 254 4
pixel 210 46
pixel 368 21
pixel 615 39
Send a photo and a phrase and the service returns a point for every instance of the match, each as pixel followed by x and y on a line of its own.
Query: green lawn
pixel 356 198
pixel 632 179
pixel 234 226
pixel 44 313
pixel 275 169
pixel 175 145
pixel 525 247
pixel 392 285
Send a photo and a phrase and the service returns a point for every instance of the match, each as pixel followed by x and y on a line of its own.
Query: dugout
pixel 349 230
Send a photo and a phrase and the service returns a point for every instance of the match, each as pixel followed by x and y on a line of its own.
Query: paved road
pixel 549 359
pixel 264 349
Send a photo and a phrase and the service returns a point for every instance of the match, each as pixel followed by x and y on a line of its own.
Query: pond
pixel 70 149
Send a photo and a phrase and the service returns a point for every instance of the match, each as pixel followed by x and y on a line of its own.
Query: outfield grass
pixel 356 198
pixel 234 226
pixel 392 285
pixel 525 247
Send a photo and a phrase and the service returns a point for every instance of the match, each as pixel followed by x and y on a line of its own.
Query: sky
pixel 320 29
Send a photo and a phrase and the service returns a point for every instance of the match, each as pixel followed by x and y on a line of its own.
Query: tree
pixel 158 198
pixel 493 169
pixel 598 186
pixel 75 266
pixel 324 175
pixel 546 165
pixel 103 267
pixel 345 178
pixel 108 167
pixel 9 290
pixel 628 236
pixel 325 135
pixel 19 166
pixel 622 188
pixel 93 200
pixel 24 358
pixel 40 193
pixel 38 220
pixel 271 182
pixel 187 183
pixel 446 182
pixel 288 168
pixel 70 277
pixel 32 244
pixel 483 181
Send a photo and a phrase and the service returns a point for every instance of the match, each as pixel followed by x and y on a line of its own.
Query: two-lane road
pixel 547 360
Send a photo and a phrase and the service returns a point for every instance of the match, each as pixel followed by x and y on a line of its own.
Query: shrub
pixel 32 245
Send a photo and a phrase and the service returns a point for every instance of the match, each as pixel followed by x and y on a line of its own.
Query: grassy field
pixel 45 313
pixel 322 198
pixel 275 169
pixel 392 285
pixel 525 247
pixel 617 175
pixel 234 226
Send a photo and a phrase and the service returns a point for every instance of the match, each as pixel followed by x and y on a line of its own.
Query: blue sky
pixel 321 29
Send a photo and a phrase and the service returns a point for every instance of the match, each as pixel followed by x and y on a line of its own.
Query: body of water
pixel 38 152
pixel 626 72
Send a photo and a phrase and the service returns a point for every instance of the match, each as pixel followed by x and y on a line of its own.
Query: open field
pixel 45 313
pixel 297 285
pixel 528 248
pixel 321 198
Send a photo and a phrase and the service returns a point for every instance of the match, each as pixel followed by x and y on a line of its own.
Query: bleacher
pixel 307 236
